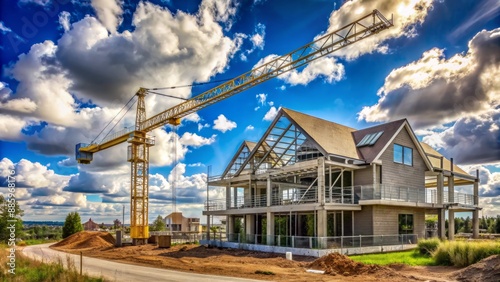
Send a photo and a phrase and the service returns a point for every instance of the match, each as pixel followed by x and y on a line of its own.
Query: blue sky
pixel 70 66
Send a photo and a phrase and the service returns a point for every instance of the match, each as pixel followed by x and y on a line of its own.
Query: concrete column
pixel 235 196
pixel 268 191
pixel 270 228
pixel 475 224
pixel 322 223
pixel 451 188
pixel 250 224
pixel 208 227
pixel 440 188
pixel 229 226
pixel 451 224
pixel 440 202
pixel 228 196
pixel 441 224
pixel 321 181
pixel 475 213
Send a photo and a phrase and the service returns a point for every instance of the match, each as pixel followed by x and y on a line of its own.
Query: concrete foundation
pixel 308 252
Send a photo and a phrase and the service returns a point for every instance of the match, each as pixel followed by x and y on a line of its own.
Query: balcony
pixel 337 195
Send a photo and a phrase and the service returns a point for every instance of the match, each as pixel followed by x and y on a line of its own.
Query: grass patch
pixel 28 270
pixel 428 246
pixel 410 257
pixel 30 242
pixel 464 253
pixel 264 272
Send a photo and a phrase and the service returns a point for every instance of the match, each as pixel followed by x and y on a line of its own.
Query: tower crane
pixel 140 141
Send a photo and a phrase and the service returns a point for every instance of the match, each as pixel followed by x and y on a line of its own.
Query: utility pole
pixel 123 218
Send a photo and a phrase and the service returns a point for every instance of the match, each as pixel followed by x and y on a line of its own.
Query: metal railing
pixel 309 242
pixel 345 195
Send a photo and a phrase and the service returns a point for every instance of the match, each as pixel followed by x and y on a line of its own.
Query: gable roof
pixel 435 159
pixel 332 137
pixel 370 153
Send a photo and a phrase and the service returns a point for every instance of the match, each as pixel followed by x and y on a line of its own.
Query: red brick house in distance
pixel 90 225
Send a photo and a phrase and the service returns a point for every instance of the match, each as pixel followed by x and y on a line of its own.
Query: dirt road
pixel 115 271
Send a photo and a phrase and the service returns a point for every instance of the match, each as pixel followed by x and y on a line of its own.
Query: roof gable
pixel 435 159
pixel 370 153
pixel 333 138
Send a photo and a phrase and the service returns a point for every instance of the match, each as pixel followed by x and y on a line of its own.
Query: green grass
pixel 410 257
pixel 464 253
pixel 30 242
pixel 28 270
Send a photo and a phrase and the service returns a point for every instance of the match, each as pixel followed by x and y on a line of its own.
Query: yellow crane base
pixel 139 234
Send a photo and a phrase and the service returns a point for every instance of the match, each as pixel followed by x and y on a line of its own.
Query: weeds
pixel 28 270
pixel 428 246
pixel 464 253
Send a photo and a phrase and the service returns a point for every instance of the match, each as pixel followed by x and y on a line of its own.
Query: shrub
pixel 464 253
pixel 428 246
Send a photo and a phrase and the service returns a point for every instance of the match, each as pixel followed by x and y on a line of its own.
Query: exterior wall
pixel 363 221
pixel 385 219
pixel 363 176
pixel 401 175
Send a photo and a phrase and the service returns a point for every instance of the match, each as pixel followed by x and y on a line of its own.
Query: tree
pixel 117 223
pixel 467 225
pixel 214 229
pixel 497 225
pixel 158 224
pixel 10 210
pixel 72 224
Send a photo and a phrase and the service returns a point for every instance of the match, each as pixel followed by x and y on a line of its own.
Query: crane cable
pixel 113 119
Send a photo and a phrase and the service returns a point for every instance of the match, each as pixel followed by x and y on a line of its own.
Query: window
pixel 370 139
pixel 406 224
pixel 403 155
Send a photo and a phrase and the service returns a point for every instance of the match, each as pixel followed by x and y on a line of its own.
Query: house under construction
pixel 312 183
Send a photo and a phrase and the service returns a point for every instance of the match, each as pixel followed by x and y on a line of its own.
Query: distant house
pixel 90 225
pixel 176 222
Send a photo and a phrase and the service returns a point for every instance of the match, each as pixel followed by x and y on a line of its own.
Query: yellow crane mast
pixel 140 141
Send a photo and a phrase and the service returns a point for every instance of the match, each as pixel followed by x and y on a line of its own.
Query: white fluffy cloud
pixel 455 102
pixel 271 114
pixel 435 90
pixel 223 124
pixel 408 14
pixel 64 20
pixel 109 12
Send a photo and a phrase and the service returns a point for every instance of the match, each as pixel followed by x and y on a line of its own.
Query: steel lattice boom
pixel 140 142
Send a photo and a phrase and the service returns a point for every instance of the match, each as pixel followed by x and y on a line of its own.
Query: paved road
pixel 115 271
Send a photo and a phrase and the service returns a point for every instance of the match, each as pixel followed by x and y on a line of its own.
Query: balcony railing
pixel 345 195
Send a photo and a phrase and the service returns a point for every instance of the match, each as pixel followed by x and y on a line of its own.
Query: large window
pixel 403 155
pixel 406 224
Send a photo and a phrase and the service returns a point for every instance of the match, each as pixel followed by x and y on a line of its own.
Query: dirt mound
pixel 86 240
pixel 486 270
pixel 336 263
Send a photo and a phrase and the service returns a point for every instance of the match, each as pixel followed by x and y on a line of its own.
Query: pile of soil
pixel 486 270
pixel 336 263
pixel 86 240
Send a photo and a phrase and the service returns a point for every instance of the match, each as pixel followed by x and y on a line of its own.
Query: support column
pixel 268 192
pixel 249 228
pixel 228 197
pixel 321 181
pixel 230 227
pixel 451 224
pixel 270 228
pixel 441 210
pixel 475 213
pixel 322 223
pixel 235 197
